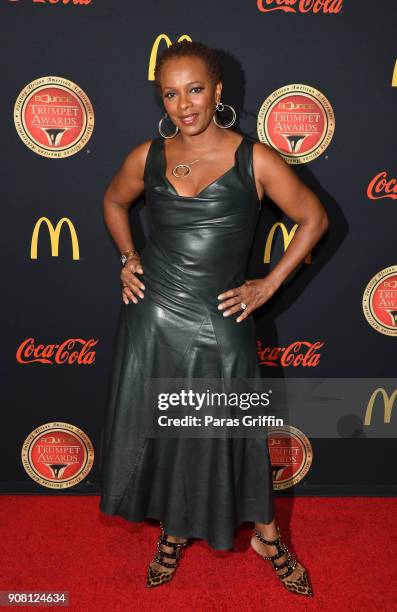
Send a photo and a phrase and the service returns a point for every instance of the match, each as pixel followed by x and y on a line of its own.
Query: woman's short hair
pixel 185 48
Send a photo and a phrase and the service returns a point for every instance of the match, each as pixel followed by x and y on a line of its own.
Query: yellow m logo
pixel 54 237
pixel 287 237
pixel 394 78
pixel 153 55
pixel 387 403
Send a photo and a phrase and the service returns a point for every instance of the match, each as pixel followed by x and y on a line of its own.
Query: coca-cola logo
pixel 299 353
pixel 73 2
pixel 327 7
pixel 382 187
pixel 71 351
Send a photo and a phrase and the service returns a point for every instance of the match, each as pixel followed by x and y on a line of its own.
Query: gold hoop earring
pixel 164 135
pixel 221 107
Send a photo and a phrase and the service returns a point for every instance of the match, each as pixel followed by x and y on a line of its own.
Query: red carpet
pixel 349 546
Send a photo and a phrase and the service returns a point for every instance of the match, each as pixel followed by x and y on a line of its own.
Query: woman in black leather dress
pixel 186 313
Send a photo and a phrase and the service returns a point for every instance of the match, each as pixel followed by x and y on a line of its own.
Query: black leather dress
pixel 198 248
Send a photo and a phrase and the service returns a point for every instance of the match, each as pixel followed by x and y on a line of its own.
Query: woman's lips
pixel 189 119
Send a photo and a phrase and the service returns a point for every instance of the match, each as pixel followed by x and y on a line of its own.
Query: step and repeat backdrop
pixel 314 79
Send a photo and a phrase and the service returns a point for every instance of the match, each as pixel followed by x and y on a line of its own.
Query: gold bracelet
pixel 125 255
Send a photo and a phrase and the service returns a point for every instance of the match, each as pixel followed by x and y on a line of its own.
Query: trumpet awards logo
pixel 54 117
pixel 301 6
pixel 54 233
pixel 57 455
pixel 298 121
pixel 291 455
pixel 380 301
pixel 155 50
pixel 382 186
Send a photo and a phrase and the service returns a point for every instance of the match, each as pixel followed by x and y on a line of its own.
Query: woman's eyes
pixel 171 92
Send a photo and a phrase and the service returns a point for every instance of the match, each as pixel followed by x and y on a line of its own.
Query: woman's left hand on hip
pixel 252 294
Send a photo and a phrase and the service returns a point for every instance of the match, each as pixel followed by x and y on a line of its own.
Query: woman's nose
pixel 184 102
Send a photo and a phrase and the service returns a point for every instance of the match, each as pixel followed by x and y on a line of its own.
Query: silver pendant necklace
pixel 183 170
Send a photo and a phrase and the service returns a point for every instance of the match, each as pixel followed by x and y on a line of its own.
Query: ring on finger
pixel 243 305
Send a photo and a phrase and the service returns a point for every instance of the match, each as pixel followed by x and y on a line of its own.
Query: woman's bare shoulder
pixel 134 162
pixel 268 161
pixel 264 152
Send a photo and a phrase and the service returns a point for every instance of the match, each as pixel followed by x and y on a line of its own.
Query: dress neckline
pixel 202 191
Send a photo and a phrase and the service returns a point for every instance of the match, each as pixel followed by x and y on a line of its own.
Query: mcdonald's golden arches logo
pixel 394 77
pixel 387 405
pixel 155 48
pixel 54 237
pixel 287 237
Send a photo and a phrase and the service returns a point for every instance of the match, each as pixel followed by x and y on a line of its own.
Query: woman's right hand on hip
pixel 131 284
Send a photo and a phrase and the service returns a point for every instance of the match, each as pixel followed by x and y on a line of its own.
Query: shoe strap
pixel 160 561
pixel 163 539
pixel 171 555
pixel 175 545
pixel 160 554
pixel 269 542
pixel 276 556
pixel 280 546
pixel 282 549
pixel 291 563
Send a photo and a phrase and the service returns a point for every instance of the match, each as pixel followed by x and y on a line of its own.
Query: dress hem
pixel 215 545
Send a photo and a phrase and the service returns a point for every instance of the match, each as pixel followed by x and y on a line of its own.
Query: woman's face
pixel 188 94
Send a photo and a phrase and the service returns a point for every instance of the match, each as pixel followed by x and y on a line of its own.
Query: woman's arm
pixel 279 182
pixel 126 185
pixel 274 178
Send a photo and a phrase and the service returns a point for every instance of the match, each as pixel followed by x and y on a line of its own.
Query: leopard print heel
pixel 155 577
pixel 300 585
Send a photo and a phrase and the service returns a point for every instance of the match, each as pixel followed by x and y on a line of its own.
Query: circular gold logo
pixel 380 301
pixel 291 455
pixel 54 117
pixel 298 121
pixel 57 455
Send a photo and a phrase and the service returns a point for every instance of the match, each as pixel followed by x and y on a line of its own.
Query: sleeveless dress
pixel 198 247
